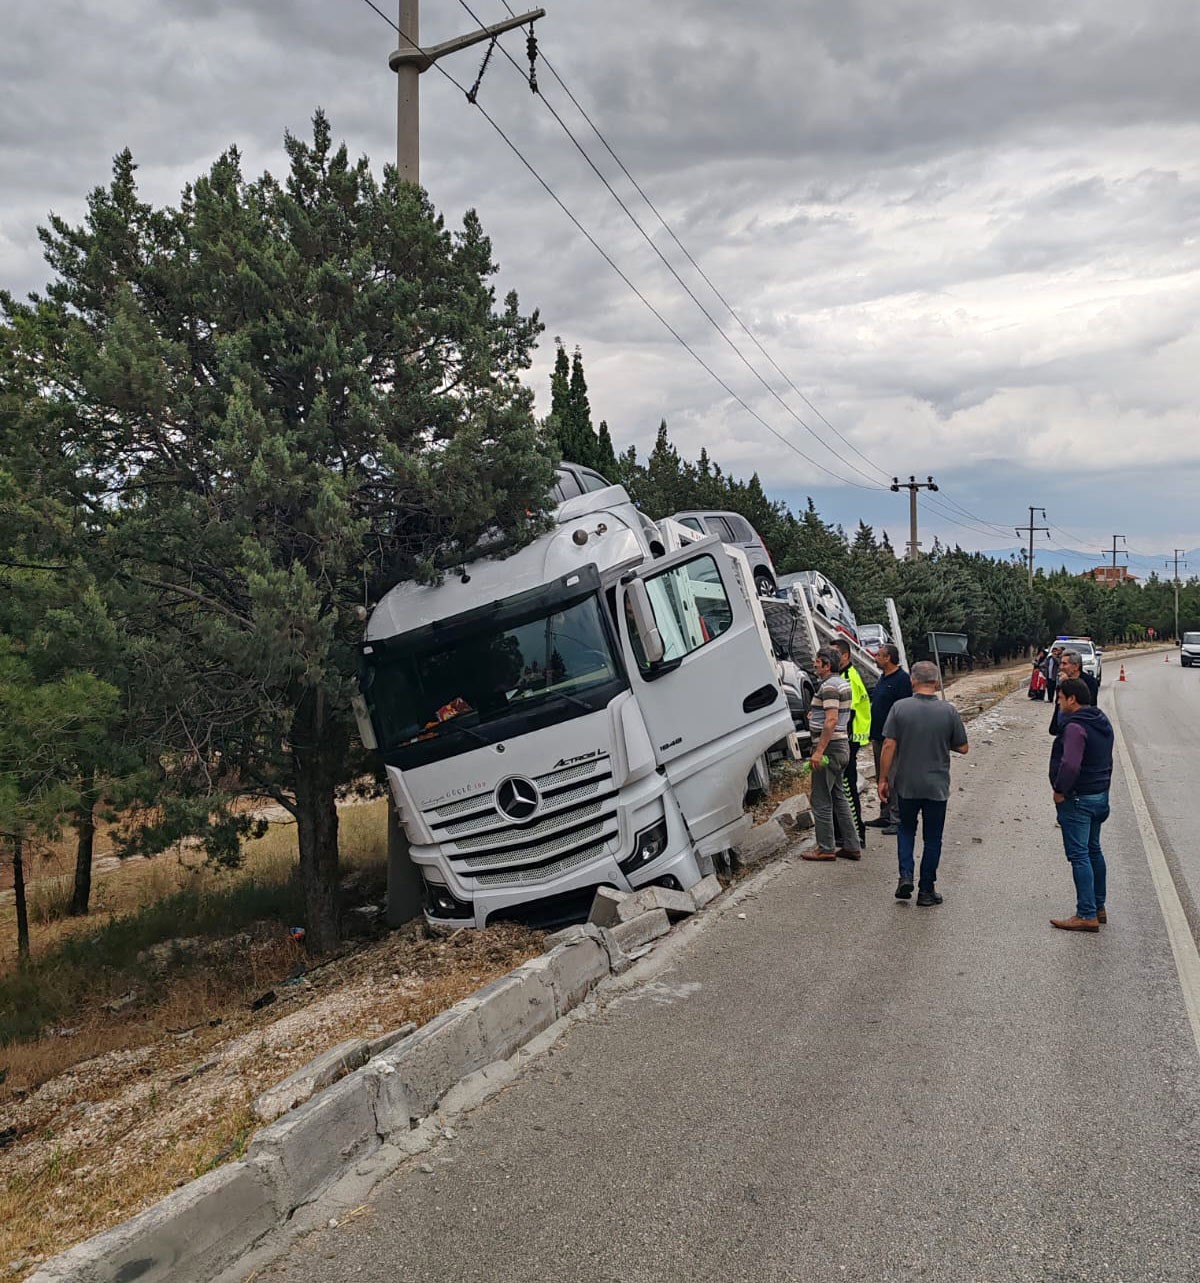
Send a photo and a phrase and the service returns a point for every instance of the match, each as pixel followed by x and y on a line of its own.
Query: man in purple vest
pixel 1080 775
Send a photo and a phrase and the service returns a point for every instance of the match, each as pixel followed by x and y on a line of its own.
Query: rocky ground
pixel 94 1145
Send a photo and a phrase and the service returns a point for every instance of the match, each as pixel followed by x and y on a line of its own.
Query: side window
pixel 692 523
pixel 690 606
pixel 743 530
pixel 593 481
pixel 722 529
pixel 568 485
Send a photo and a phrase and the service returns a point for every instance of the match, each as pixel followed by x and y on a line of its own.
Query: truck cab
pixel 583 713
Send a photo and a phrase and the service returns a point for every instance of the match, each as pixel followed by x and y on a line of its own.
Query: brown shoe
pixel 849 855
pixel 818 854
pixel 1101 915
pixel 1075 924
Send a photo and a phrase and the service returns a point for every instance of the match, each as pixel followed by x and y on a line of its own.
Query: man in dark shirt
pixel 1080 775
pixel 918 737
pixel 893 686
pixel 1070 667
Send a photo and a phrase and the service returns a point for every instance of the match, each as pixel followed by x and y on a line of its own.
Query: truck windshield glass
pixel 486 676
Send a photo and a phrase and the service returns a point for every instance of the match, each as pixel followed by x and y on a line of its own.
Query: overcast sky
pixel 968 233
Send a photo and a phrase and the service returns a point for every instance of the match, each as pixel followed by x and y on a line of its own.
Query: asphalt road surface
pixel 843 1086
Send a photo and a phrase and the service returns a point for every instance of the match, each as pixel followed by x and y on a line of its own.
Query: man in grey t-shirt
pixel 918 737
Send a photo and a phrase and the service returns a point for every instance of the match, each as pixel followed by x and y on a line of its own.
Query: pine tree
pixel 252 408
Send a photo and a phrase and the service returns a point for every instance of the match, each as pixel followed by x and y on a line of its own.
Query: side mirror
pixel 644 622
pixel 362 715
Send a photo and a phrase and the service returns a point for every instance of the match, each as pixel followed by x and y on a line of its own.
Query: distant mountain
pixel 1143 567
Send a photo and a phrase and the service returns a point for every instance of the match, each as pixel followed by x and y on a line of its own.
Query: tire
pixel 780 616
pixel 764 584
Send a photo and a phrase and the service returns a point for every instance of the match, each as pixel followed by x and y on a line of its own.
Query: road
pixel 842 1086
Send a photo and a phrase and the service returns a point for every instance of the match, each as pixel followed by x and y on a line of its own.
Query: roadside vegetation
pixel 133 1042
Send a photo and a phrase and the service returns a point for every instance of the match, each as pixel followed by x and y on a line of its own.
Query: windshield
pixel 1191 639
pixel 468 686
pixel 870 632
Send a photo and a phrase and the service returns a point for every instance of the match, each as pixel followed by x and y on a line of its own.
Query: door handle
pixel 761 698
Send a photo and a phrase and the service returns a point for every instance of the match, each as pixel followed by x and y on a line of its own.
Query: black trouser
pixel 852 781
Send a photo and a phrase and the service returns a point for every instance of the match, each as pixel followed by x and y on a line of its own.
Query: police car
pixel 1090 655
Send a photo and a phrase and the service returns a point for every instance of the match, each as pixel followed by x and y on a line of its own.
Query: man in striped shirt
pixel 828 722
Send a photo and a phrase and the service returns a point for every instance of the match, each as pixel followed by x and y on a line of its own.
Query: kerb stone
pixel 676 904
pixel 706 890
pixel 606 907
pixel 514 1008
pixel 194 1233
pixel 412 1076
pixel 575 969
pixel 319 1073
pixel 641 930
pixel 315 1143
pixel 761 842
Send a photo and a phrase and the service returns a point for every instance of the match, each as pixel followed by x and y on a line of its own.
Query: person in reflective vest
pixel 860 731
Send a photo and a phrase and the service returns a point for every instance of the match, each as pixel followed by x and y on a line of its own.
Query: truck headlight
pixel 647 846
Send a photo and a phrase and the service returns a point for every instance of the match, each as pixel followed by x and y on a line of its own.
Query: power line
pixel 688 255
pixel 708 316
pixel 603 254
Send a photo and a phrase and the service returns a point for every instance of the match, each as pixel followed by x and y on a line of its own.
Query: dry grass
pixel 787 779
pixel 72 1175
pixel 80 965
pixel 124 1074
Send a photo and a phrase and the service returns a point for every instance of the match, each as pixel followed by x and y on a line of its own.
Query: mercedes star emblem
pixel 517 797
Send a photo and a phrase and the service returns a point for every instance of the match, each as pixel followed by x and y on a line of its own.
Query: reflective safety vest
pixel 860 703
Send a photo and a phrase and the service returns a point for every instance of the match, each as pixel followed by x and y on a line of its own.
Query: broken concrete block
pixel 606 906
pixel 313 1144
pixel 568 935
pixel 677 904
pixel 412 1076
pixel 761 842
pixel 706 890
pixel 319 1073
pixel 641 930
pixel 576 967
pixel 791 812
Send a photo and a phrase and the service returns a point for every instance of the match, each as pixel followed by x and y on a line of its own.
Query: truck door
pixel 713 703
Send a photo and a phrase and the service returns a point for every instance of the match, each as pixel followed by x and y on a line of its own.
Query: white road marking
pixel 1179 932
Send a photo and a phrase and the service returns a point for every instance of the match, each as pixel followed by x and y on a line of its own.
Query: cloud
pixel 967 233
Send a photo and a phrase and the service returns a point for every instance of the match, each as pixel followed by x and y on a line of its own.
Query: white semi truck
pixel 584 712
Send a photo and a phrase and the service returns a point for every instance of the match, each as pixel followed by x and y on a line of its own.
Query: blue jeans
pixel 933 823
pixel 1081 816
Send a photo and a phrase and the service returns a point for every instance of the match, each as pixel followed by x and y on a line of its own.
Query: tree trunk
pixel 18 858
pixel 86 829
pixel 317 835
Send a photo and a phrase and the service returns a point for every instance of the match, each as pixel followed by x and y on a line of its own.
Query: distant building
pixel 1110 576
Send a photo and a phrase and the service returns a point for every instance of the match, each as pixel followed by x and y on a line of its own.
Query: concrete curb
pixel 374 1116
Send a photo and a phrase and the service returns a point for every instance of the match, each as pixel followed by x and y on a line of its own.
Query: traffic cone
pixel 1122 677
pixel 1166 659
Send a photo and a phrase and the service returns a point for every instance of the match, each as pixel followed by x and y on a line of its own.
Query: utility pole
pixel 410 60
pixel 1114 554
pixel 1031 529
pixel 912 485
pixel 1178 553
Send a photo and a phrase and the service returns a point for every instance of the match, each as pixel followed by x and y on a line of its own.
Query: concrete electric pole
pixel 912 485
pixel 410 60
pixel 1030 529
pixel 1178 553
pixel 1114 555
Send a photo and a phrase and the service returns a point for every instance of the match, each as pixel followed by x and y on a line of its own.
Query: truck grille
pixel 573 824
pixel 520 877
